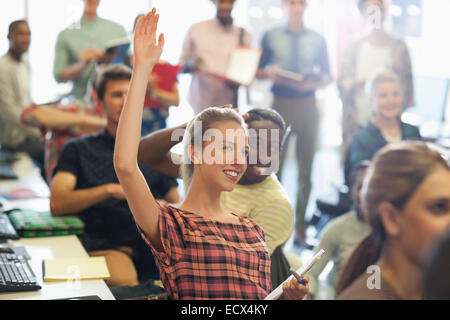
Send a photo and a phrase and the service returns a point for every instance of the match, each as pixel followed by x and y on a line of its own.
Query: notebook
pixel 30 223
pixel 89 268
pixel 120 47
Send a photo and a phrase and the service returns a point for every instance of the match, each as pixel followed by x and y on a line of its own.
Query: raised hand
pixel 146 51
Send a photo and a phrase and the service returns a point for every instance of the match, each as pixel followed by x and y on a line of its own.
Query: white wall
pixel 431 53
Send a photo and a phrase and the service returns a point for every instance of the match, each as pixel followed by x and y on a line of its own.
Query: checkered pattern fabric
pixel 208 259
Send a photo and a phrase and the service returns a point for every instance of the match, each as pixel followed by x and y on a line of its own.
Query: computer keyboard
pixel 15 273
pixel 7 230
pixel 7 156
pixel 7 172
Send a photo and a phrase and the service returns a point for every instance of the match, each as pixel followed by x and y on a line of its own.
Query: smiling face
pixel 20 38
pixel 263 134
pixel 387 99
pixel 425 216
pixel 224 158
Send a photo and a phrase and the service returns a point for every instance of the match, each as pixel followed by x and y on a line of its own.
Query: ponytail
pixel 365 254
pixel 395 173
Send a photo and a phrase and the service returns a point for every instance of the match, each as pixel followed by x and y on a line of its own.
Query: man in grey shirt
pixel 296 59
pixel 15 95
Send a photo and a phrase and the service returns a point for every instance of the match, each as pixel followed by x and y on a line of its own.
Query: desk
pixel 48 247
pixel 30 178
pixel 52 248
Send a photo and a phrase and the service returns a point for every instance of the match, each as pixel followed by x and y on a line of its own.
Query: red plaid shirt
pixel 207 259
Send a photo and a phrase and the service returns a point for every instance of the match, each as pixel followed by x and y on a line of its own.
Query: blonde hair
pixel 207 118
pixel 381 77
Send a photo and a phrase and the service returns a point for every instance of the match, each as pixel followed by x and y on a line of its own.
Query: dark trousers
pixel 303 116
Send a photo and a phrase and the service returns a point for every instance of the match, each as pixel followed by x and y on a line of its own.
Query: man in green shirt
pixel 80 46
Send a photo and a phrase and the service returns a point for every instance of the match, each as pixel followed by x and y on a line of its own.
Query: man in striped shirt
pixel 259 195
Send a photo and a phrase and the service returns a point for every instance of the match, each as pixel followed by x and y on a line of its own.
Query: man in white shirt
pixel 15 95
pixel 206 53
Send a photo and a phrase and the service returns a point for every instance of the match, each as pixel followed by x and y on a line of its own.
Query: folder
pixel 73 269
pixel 167 77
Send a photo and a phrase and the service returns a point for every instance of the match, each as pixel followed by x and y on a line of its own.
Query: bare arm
pixel 154 150
pixel 54 118
pixel 140 199
pixel 65 200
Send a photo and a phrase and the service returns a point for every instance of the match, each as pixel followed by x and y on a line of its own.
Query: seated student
pixel 203 250
pixel 15 95
pixel 85 184
pixel 385 127
pixel 405 199
pixel 257 195
pixel 341 235
pixel 436 266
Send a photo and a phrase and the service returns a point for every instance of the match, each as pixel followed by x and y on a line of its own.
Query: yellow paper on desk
pixel 73 269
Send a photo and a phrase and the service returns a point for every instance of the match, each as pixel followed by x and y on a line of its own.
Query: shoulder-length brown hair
pixel 395 173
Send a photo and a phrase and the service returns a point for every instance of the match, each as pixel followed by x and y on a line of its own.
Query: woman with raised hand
pixel 202 250
pixel 406 201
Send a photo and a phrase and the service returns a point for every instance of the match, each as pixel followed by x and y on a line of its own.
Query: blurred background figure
pixel 206 53
pixel 15 95
pixel 341 235
pixel 79 48
pixel 385 124
pixel 376 51
pixel 296 59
